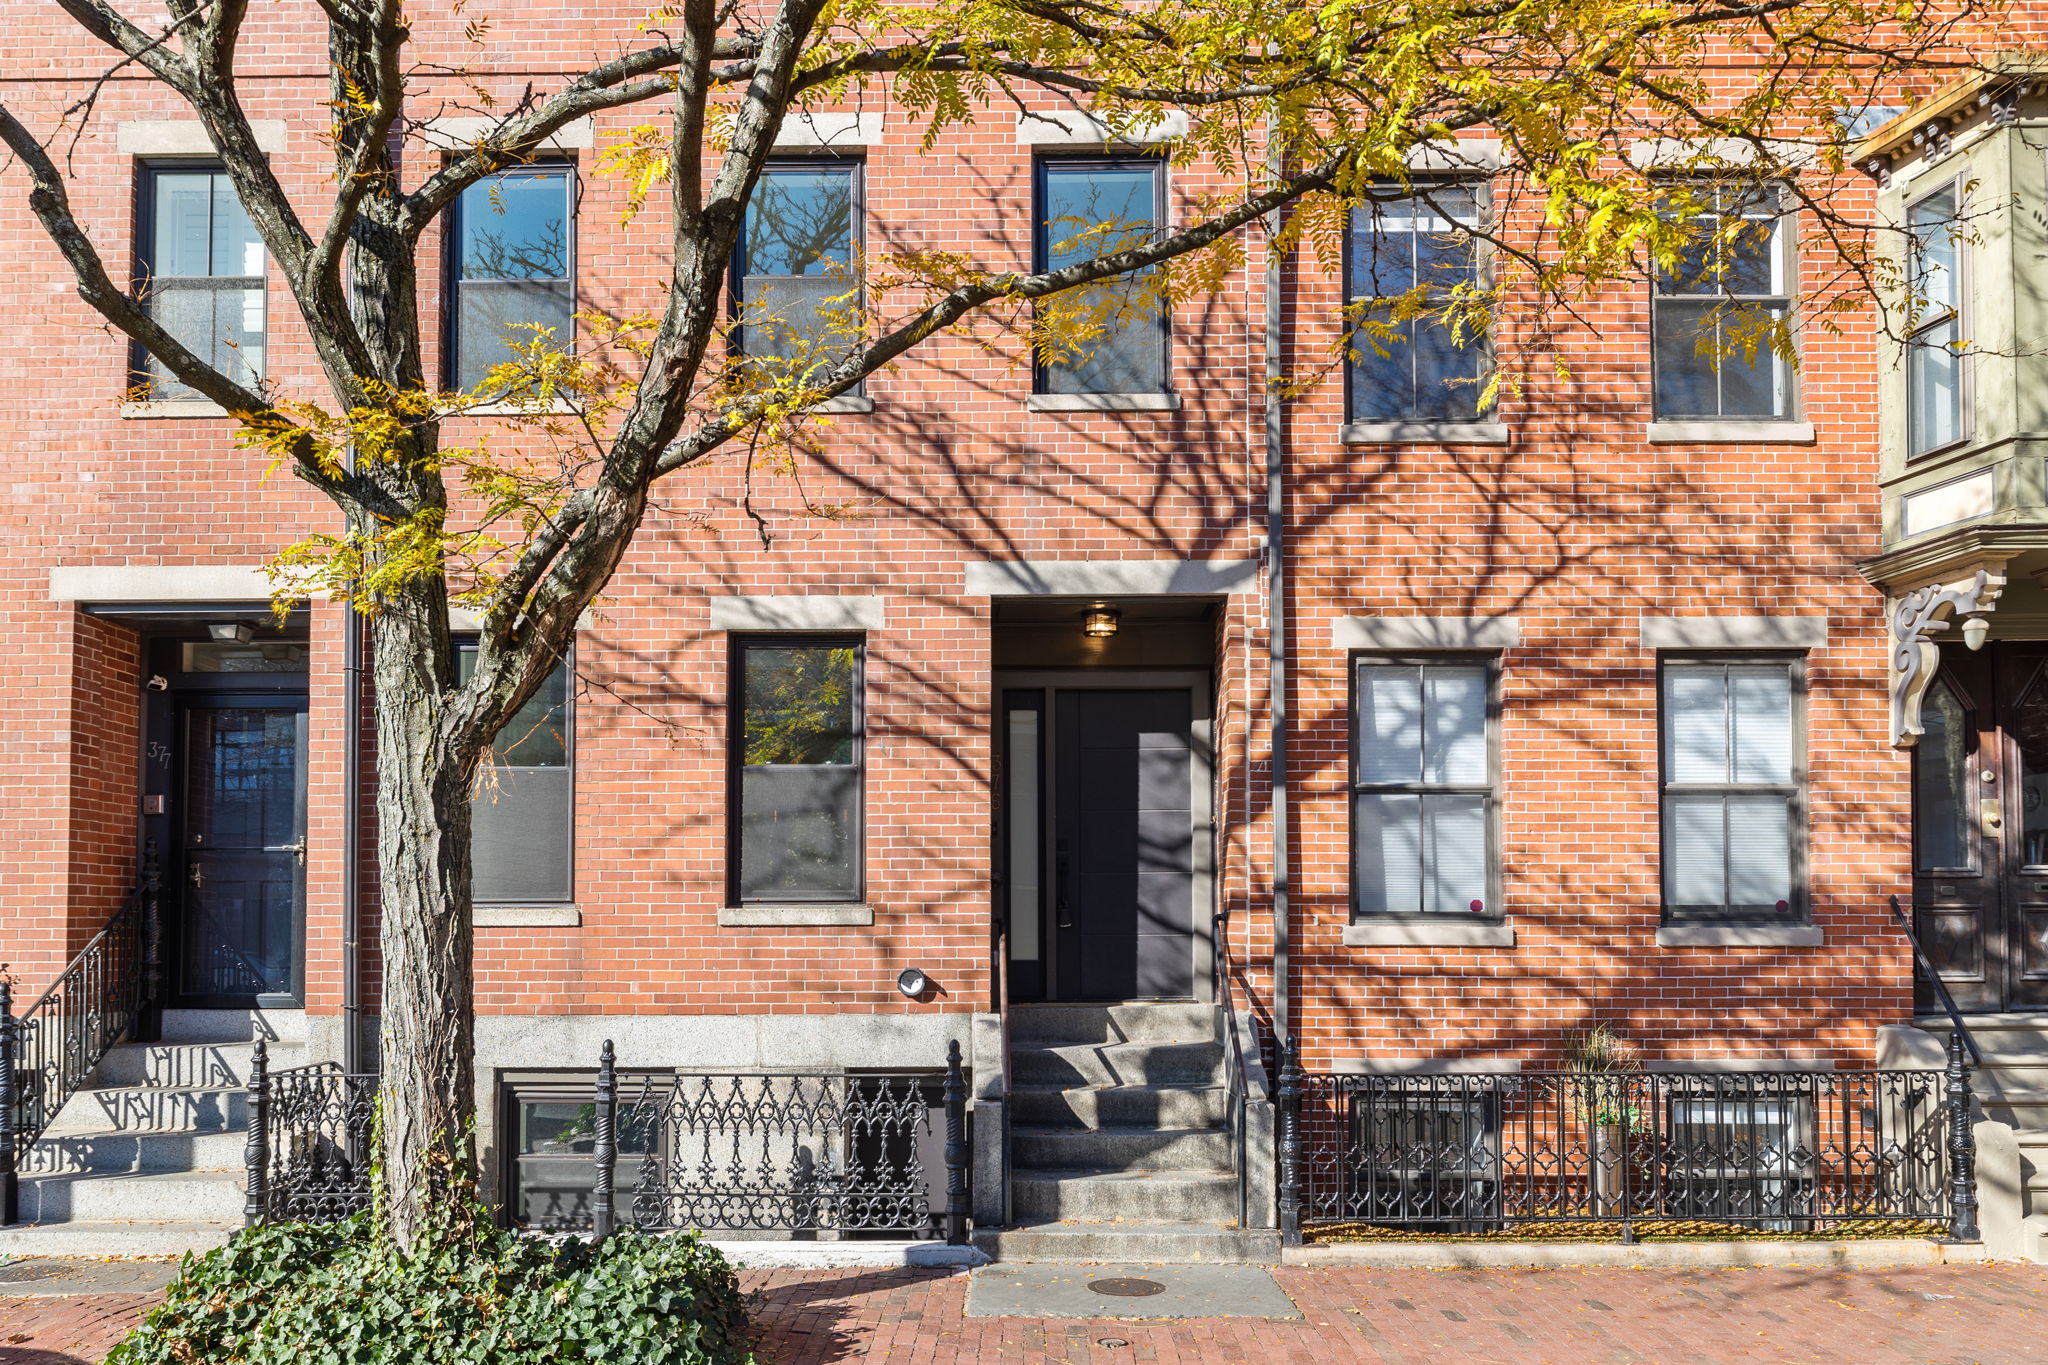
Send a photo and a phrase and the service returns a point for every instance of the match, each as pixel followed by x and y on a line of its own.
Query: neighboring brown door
pixel 1980 829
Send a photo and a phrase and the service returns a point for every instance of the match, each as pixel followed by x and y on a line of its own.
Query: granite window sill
pixel 795 916
pixel 1409 933
pixel 1102 402
pixel 1731 433
pixel 843 403
pixel 526 916
pixel 1444 433
pixel 173 407
pixel 1740 936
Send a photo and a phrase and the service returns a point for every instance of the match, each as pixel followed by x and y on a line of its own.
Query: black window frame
pixel 1489 660
pixel 568 666
pixel 1153 163
pixel 1785 243
pixel 451 274
pixel 1957 186
pixel 1360 352
pixel 737 275
pixel 735 761
pixel 1798 792
pixel 563 1087
pixel 143 257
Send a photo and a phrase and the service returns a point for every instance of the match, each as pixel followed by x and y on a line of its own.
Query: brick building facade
pixel 1568 564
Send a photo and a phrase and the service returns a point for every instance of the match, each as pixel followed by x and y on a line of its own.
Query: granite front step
pixel 1137 1023
pixel 1083 1064
pixel 173 1238
pixel 211 1196
pixel 1120 1149
pixel 186 1065
pixel 1165 1243
pixel 1139 1196
pixel 234 1026
pixel 111 1153
pixel 1120 1106
pixel 153 1108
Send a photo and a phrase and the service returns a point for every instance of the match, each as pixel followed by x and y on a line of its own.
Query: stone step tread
pixel 1201 1045
pixel 1108 1130
pixel 1132 1088
pixel 1076 1174
pixel 140 1237
pixel 145 1179
pixel 1088 1227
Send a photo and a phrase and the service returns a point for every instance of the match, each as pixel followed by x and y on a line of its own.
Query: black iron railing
pixel 1238 1075
pixel 800 1152
pixel 309 1151
pixel 1940 987
pixel 109 992
pixel 1793 1151
pixel 791 1151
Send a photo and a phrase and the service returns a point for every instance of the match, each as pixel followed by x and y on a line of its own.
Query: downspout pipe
pixel 1276 614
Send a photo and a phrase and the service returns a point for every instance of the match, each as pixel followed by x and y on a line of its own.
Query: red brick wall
pixel 1576 528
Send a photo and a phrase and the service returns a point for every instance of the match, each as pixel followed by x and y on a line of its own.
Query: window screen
pixel 1711 359
pixel 1089 208
pixel 513 269
pixel 203 275
pixel 797 825
pixel 523 815
pixel 1733 789
pixel 798 293
pixel 1417 369
pixel 1422 788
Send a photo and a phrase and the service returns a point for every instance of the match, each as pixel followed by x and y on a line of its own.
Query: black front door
pixel 1980 828
pixel 1101 850
pixel 242 848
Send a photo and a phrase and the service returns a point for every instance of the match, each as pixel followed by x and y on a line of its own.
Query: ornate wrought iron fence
pixel 788 1151
pixel 1780 1150
pixel 309 1152
pixel 108 992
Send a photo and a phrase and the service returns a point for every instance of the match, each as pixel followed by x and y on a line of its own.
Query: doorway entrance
pixel 1105 853
pixel 1980 828
pixel 224 795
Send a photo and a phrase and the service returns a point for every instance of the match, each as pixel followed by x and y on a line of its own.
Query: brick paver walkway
pixel 1934 1315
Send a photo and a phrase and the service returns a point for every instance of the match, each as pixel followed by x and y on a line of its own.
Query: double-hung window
pixel 202 275
pixel 1110 336
pixel 1716 313
pixel 1418 368
pixel 513 269
pixel 795 285
pixel 1934 340
pixel 1424 786
pixel 795 832
pixel 1734 788
pixel 522 817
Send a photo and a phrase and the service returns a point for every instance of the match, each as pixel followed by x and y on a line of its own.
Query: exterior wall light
pixel 912 982
pixel 1099 621
pixel 1975 628
pixel 231 632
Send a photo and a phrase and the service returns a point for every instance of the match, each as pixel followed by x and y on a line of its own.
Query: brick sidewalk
pixel 1983 1315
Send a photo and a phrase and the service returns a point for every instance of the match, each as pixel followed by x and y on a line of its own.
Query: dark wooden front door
pixel 1103 871
pixel 242 850
pixel 1980 828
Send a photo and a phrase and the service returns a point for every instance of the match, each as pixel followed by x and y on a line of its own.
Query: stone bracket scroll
pixel 1918 615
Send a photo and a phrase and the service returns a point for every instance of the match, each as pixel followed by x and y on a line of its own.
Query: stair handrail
pixel 1948 1002
pixel 1235 1070
pixel 48 1051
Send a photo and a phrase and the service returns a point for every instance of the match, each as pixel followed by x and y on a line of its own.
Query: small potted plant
pixel 1598 1058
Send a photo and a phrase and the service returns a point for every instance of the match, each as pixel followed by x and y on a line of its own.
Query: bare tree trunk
pixel 427 1096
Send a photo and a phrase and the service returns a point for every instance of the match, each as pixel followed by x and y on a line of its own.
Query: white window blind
pixel 1422 789
pixel 1732 795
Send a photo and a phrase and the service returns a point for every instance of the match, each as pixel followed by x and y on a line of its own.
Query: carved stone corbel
pixel 1919 614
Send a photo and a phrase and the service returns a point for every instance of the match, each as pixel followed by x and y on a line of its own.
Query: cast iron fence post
pixel 1962 1144
pixel 10 1179
pixel 605 1154
pixel 256 1151
pixel 956 1148
pixel 1290 1143
pixel 149 1019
